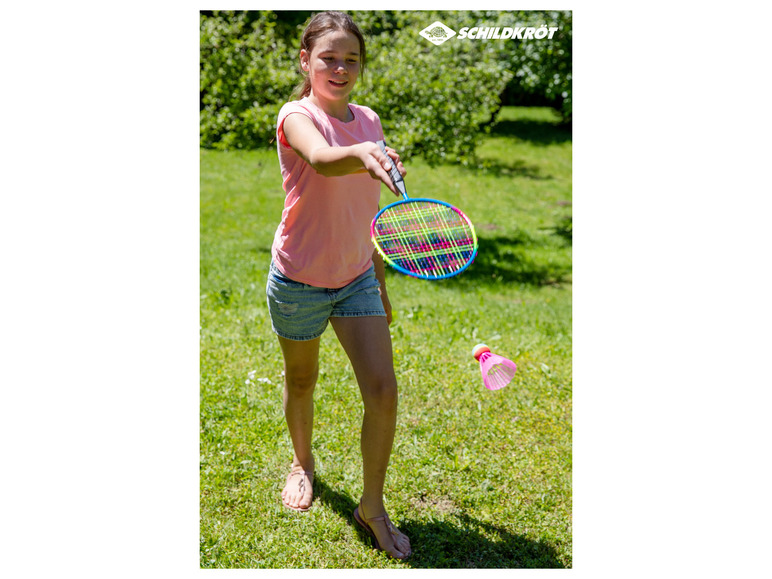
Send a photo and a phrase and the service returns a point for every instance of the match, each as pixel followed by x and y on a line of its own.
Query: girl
pixel 324 267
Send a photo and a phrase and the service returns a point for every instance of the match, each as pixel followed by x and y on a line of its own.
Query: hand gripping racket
pixel 423 238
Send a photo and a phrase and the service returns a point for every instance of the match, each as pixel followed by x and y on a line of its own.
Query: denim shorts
pixel 300 311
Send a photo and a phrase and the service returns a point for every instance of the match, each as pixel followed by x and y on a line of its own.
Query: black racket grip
pixel 396 176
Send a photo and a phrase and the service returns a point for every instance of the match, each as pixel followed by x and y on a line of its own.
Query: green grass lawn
pixel 477 478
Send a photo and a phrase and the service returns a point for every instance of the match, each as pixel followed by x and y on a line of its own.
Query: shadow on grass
pixel 511 168
pixel 454 544
pixel 536 132
pixel 510 260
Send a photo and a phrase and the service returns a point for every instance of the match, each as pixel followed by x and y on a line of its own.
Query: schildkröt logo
pixel 437 33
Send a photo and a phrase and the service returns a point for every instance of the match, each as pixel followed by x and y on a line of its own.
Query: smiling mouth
pixel 338 82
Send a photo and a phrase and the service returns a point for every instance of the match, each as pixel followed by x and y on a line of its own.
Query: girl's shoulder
pixel 364 111
pixel 301 106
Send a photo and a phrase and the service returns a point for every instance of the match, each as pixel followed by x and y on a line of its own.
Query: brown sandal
pixel 303 474
pixel 366 524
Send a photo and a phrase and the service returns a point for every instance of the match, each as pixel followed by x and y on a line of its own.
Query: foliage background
pixel 476 481
pixel 434 101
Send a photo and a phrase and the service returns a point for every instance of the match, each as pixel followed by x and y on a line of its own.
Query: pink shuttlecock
pixel 496 370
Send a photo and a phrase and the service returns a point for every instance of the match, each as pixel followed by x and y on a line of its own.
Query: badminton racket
pixel 423 238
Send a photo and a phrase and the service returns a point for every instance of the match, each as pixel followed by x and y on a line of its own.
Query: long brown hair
pixel 320 25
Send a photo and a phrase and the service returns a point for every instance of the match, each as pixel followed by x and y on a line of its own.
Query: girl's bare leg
pixel 301 369
pixel 367 343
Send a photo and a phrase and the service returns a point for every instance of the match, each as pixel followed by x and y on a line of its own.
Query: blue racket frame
pixel 400 185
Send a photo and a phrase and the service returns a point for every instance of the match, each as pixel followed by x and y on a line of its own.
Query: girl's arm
pixel 380 275
pixel 303 136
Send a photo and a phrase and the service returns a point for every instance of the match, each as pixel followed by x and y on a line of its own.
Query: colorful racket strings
pixel 425 238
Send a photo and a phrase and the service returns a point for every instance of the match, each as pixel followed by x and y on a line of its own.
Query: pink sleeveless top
pixel 324 235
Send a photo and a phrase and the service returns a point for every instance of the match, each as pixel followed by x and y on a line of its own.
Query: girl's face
pixel 332 65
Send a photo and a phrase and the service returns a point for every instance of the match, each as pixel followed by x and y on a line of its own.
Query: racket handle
pixel 396 176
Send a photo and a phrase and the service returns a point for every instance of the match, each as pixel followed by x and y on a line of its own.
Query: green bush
pixel 434 101
pixel 247 73
pixel 542 69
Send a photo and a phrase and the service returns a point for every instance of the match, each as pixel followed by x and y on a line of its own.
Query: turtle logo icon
pixel 437 33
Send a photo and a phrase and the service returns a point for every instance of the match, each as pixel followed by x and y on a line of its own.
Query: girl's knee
pixel 300 383
pixel 381 394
